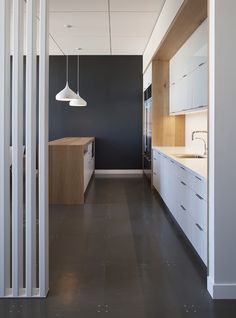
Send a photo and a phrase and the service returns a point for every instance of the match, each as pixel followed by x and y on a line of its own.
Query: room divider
pixel 23 149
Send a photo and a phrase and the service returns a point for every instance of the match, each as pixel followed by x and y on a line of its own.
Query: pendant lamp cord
pixel 78 73
pixel 67 67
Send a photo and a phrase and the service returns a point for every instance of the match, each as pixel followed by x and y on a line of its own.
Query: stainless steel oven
pixel 147 132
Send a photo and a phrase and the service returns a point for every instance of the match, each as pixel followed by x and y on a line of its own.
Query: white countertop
pixel 198 166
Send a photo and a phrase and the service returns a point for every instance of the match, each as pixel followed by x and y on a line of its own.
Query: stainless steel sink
pixel 190 156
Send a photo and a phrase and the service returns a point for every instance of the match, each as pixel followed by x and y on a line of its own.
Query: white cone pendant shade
pixel 78 101
pixel 66 94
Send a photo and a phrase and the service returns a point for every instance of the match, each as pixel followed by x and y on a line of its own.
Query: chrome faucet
pixel 200 138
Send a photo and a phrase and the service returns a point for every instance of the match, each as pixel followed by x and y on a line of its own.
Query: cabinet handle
pixel 154 158
pixel 184 75
pixel 183 168
pixel 199 227
pixel 154 173
pixel 201 64
pixel 172 161
pixel 183 208
pixel 199 197
pixel 198 178
pixel 183 183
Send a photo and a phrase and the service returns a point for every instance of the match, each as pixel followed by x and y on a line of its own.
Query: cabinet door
pixel 200 86
pixel 86 170
pixel 157 171
pixel 168 182
pixel 165 176
pixel 172 188
pixel 154 161
pixel 189 72
pixel 91 167
pixel 156 181
pixel 157 161
pixel 198 44
pixel 173 97
pixel 204 87
pixel 199 210
pixel 178 96
pixel 185 221
pixel 199 241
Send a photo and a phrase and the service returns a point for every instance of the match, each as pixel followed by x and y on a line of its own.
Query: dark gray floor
pixel 120 256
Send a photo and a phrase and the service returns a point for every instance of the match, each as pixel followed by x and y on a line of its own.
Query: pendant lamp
pixel 79 101
pixel 66 94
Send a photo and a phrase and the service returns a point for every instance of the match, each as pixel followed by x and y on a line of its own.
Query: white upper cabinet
pixel 189 73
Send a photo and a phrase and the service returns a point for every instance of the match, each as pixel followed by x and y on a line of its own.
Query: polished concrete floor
pixel 120 255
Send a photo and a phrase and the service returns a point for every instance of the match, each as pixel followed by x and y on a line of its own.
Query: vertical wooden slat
pixel 4 147
pixel 17 143
pixel 31 149
pixel 43 151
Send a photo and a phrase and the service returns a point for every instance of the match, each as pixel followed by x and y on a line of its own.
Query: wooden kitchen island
pixel 71 166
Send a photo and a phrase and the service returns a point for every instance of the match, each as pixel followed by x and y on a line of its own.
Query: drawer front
pixel 154 165
pixel 184 194
pixel 199 185
pixel 185 221
pixel 90 147
pixel 88 168
pixel 199 210
pixel 86 177
pixel 199 241
pixel 192 181
pixel 157 158
pixel 156 181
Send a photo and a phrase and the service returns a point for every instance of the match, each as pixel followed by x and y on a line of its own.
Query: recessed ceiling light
pixel 68 26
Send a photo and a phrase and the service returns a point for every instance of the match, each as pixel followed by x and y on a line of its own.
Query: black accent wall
pixel 112 86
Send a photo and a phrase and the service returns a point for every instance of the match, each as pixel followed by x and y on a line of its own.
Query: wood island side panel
pixel 66 170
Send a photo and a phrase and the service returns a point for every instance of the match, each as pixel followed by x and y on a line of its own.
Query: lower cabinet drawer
pixel 199 210
pixel 184 195
pixel 192 181
pixel 156 181
pixel 185 221
pixel 199 241
pixel 91 166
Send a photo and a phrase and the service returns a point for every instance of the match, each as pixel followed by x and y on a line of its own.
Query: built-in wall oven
pixel 147 132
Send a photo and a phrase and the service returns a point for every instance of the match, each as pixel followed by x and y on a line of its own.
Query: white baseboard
pixel 118 171
pixel 221 291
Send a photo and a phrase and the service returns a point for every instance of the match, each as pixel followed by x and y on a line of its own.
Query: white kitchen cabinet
pixel 185 221
pixel 200 85
pixel 185 195
pixel 157 169
pixel 199 241
pixel 189 73
pixel 88 165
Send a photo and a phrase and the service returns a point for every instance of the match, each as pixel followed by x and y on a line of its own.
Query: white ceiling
pixel 102 27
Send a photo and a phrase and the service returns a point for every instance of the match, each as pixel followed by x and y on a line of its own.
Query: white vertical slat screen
pixel 23 239
pixel 4 147
pixel 17 148
pixel 43 150
pixel 31 35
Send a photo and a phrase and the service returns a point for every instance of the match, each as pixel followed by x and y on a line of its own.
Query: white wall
pixel 193 122
pixel 167 16
pixel 222 150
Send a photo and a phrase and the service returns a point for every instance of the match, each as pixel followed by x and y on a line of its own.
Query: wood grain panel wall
pixel 167 130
